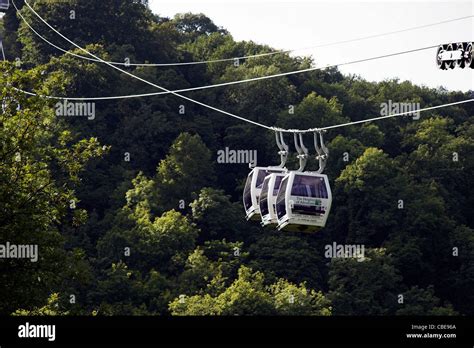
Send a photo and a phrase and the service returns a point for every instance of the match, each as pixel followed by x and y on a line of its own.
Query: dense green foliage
pixel 134 215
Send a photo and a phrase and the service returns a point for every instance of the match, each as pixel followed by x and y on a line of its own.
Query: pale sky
pixel 305 23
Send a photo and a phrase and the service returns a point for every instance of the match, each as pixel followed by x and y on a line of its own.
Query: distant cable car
pixel 4 5
pixel 304 199
pixel 267 201
pixel 451 55
pixel 255 179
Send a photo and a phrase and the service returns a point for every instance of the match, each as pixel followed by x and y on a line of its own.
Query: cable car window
pixel 263 198
pixel 280 206
pixel 309 186
pixel 261 176
pixel 278 180
pixel 4 4
pixel 247 194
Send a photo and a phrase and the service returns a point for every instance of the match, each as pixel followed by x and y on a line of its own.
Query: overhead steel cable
pixel 237 82
pixel 248 56
pixel 392 115
pixel 223 84
pixel 236 116
pixel 142 79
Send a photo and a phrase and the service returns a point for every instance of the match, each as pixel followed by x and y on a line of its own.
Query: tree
pixel 248 295
pixel 314 110
pixel 120 292
pixel 199 270
pixel 372 187
pixel 216 216
pixel 195 25
pixel 245 296
pixel 9 29
pixel 291 299
pixel 458 271
pixel 50 309
pixel 162 244
pixel 418 301
pixel 343 151
pixel 440 152
pixel 211 266
pixel 89 22
pixel 368 287
pixel 41 162
pixel 289 257
pixel 185 170
pixel 263 101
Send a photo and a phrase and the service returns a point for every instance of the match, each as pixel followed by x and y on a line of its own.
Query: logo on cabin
pixel 307 201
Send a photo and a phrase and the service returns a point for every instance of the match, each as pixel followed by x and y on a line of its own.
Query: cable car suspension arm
pixel 302 151
pixel 321 150
pixel 283 147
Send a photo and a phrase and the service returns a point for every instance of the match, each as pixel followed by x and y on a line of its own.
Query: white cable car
pixel 255 179
pixel 253 188
pixel 4 5
pixel 267 201
pixel 303 202
pixel 304 198
pixel 451 55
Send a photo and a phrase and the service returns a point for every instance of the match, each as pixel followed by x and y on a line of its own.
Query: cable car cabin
pixel 268 196
pixel 303 202
pixel 4 5
pixel 253 188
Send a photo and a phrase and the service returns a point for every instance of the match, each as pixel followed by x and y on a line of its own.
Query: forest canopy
pixel 134 214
